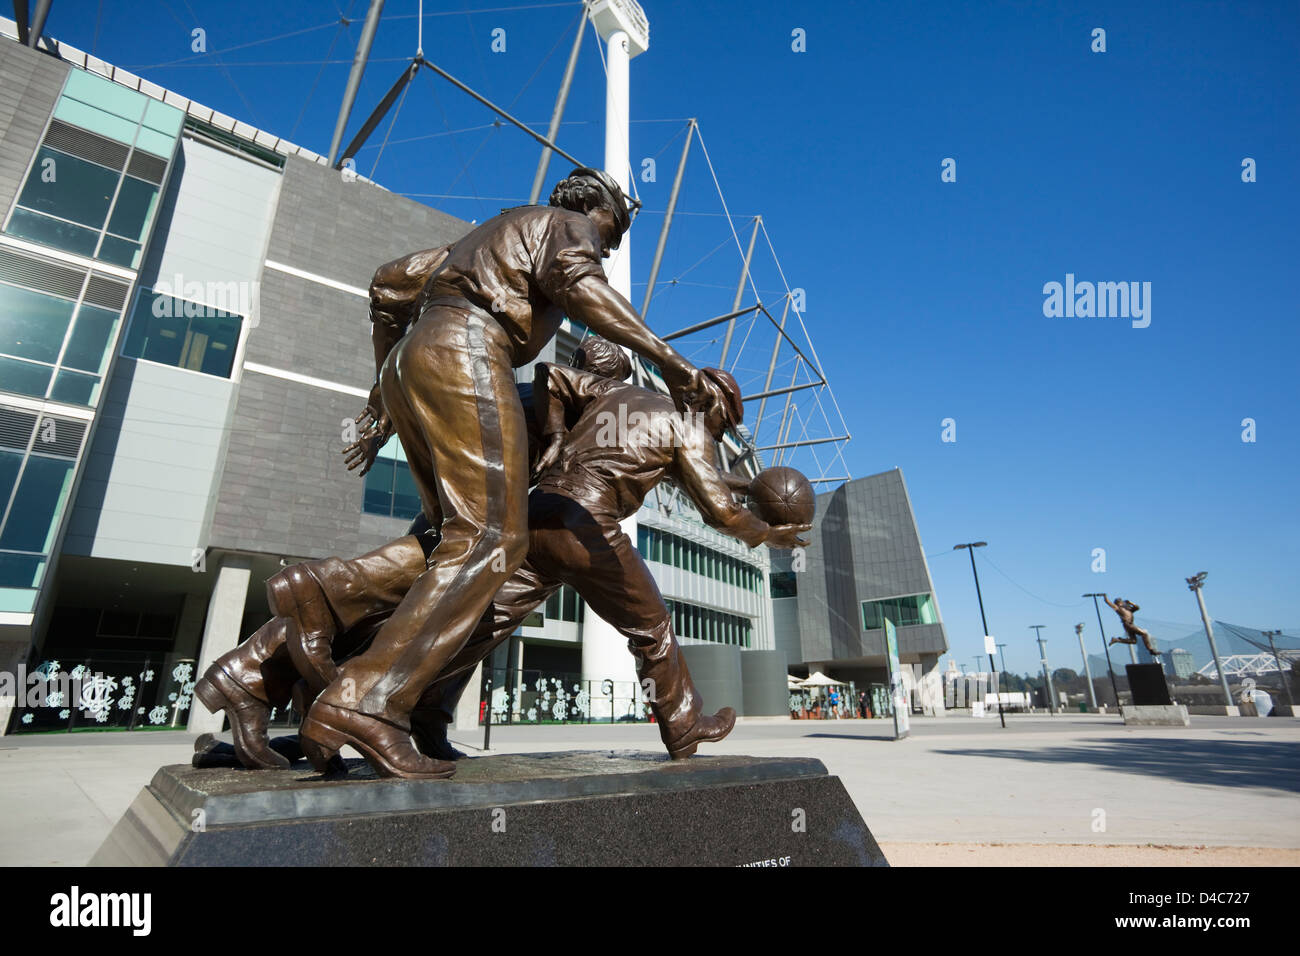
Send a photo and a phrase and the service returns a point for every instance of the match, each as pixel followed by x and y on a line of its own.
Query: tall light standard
pixel 1286 684
pixel 1194 584
pixel 971 546
pixel 1047 674
pixel 1087 670
pixel 1104 646
pixel 623 26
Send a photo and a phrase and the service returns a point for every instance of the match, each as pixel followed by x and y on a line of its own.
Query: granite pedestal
pixel 604 808
pixel 1156 715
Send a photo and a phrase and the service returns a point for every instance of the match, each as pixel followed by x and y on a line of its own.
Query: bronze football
pixel 782 496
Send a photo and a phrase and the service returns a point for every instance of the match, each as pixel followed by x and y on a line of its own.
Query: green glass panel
pixel 37 504
pixel 136 200
pixel 52 232
pixel 211 344
pixel 10 462
pixel 91 336
pixel 96 120
pixel 106 95
pixel 156 143
pixel 32 325
pixel 378 498
pixel 163 118
pixel 70 188
pixel 21 570
pixel 120 252
pixel 17 601
pixel 406 499
pixel 25 378
pixel 75 388
pixel 156 337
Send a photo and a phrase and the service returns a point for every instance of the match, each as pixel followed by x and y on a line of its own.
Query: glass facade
pixel 912 609
pixel 784 584
pixel 706 624
pixel 390 489
pixel 52 346
pixel 38 455
pixel 667 548
pixel 184 334
pixel 94 186
pixel 565 605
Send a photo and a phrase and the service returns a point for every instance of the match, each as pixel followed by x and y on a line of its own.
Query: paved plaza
pixel 959 791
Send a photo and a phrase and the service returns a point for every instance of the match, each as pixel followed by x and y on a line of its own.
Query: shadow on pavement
pixel 853 736
pixel 1216 763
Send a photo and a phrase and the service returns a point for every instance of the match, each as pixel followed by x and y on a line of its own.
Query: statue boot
pixel 247 683
pixel 676 703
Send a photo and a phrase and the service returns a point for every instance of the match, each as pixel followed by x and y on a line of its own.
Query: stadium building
pixel 183 340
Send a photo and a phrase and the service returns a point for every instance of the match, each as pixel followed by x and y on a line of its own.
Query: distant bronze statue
pixel 1126 610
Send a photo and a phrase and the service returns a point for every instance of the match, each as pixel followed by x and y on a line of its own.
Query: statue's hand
pixel 692 391
pixel 549 456
pixel 375 430
pixel 787 536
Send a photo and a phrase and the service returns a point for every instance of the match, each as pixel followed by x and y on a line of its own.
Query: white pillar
pixel 467 709
pixel 604 652
pixel 220 631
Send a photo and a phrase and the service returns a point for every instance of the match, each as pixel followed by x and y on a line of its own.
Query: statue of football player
pixel 589 483
pixel 446 387
pixel 1126 610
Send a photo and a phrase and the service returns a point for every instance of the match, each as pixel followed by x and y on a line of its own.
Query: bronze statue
pixel 447 389
pixel 1126 610
pixel 574 538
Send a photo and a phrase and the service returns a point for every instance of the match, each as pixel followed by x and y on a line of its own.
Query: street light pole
pixel 1104 646
pixel 1047 674
pixel 971 546
pixel 1087 669
pixel 1194 584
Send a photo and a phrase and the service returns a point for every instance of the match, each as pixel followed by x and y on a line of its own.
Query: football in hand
pixel 782 496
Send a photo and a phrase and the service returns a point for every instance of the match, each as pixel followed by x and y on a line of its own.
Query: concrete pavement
pixel 1077 779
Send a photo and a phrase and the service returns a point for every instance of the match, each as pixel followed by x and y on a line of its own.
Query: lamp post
pixel 623 27
pixel 1047 674
pixel 1104 646
pixel 1194 584
pixel 1286 685
pixel 1087 670
pixel 971 546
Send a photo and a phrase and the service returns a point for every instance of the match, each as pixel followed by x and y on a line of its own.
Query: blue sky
pixel 924 298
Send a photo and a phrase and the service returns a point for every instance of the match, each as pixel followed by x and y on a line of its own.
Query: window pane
pixel 120 252
pixel 135 205
pixel 88 348
pixel 183 334
pixel 76 190
pixel 378 498
pixel 21 570
pixel 157 333
pixel 75 388
pixel 40 496
pixel 25 378
pixel 32 325
pixel 553 607
pixel 406 499
pixel 51 232
pixel 570 604
pixel 10 462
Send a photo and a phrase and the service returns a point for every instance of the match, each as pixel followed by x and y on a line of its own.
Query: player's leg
pixel 449 388
pixel 594 556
